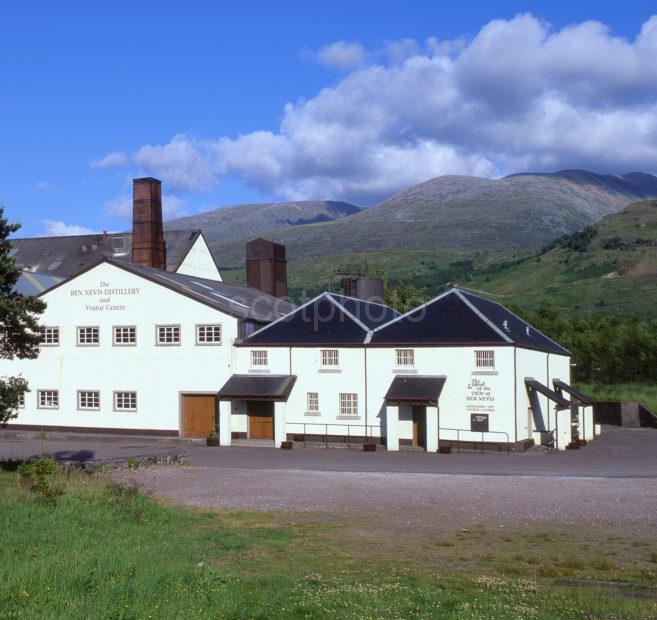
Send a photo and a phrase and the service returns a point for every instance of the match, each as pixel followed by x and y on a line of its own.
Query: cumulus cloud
pixel 116 159
pixel 121 206
pixel 342 55
pixel 519 95
pixel 57 228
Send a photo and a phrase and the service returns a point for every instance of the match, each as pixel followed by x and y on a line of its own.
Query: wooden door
pixel 419 426
pixel 261 419
pixel 199 415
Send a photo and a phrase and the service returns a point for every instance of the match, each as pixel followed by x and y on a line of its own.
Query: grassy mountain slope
pixel 248 220
pixel 459 213
pixel 613 269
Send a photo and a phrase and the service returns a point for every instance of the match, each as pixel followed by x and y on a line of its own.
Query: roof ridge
pixel 278 320
pixel 349 314
pixel 424 305
pixel 482 316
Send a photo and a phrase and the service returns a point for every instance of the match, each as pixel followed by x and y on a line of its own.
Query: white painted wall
pixel 199 262
pixel 159 374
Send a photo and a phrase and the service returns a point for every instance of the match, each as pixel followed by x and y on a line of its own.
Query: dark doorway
pixel 261 419
pixel 419 426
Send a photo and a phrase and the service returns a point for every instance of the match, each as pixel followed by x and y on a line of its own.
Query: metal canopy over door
pixel 419 426
pixel 261 419
pixel 198 415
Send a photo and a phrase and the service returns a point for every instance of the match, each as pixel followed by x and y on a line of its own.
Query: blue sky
pixel 233 102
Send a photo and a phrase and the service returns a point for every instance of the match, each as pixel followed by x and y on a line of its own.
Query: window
pixel 89 400
pixel 312 402
pixel 48 399
pixel 88 336
pixel 258 358
pixel 348 404
pixel 485 359
pixel 168 334
pixel 405 357
pixel 50 337
pixel 21 401
pixel 125 401
pixel 124 335
pixel 330 358
pixel 208 334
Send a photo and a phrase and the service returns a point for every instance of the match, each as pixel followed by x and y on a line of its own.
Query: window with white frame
pixel 50 337
pixel 312 402
pixel 125 401
pixel 348 404
pixel 208 334
pixel 88 336
pixel 405 357
pixel 258 358
pixel 485 359
pixel 168 334
pixel 124 335
pixel 89 400
pixel 48 399
pixel 21 401
pixel 330 358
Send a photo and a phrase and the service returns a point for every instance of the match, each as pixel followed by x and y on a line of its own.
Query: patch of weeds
pixel 133 463
pixel 38 476
pixel 129 499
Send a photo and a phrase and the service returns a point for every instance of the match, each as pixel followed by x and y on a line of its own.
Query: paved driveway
pixel 619 453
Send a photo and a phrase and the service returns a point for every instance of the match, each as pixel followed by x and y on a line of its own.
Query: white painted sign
pixel 479 397
pixel 104 298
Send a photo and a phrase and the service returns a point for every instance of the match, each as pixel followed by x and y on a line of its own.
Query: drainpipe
pixel 515 393
pixel 365 364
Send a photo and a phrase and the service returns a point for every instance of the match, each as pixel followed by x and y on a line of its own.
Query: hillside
pixel 459 213
pixel 248 220
pixel 611 267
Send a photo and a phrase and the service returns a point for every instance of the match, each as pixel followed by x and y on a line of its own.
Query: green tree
pixel 20 332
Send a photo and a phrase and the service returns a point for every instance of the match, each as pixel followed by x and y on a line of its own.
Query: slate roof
pixel 533 384
pixel 237 300
pixel 257 387
pixel 415 389
pixel 327 319
pixel 461 318
pixel 575 394
pixel 30 283
pixel 66 256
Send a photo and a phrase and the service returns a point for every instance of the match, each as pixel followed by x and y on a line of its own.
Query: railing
pixel 474 442
pixel 367 436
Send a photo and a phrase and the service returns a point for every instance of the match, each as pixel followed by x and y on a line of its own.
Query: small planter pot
pixel 287 445
pixel 445 450
pixel 369 447
pixel 212 442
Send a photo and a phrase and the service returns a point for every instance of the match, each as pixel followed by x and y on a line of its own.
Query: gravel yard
pixel 410 500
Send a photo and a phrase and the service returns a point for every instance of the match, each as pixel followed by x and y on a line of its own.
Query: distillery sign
pixel 105 298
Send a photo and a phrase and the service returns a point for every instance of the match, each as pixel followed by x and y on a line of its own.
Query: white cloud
pixel 121 206
pixel 43 186
pixel 520 95
pixel 56 228
pixel 342 55
pixel 111 160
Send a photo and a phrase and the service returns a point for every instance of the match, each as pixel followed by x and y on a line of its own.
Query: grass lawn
pixel 645 393
pixel 111 552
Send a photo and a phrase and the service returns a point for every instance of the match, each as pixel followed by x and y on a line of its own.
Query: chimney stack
pixel 266 267
pixel 147 232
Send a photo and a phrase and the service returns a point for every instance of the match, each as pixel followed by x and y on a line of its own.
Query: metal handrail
pixel 467 430
pixel 367 427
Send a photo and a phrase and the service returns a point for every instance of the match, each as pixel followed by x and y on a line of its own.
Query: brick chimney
pixel 148 248
pixel 266 267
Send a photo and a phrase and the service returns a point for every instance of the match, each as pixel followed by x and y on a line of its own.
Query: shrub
pixel 38 475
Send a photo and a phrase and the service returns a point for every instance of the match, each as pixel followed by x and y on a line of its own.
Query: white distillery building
pixel 142 336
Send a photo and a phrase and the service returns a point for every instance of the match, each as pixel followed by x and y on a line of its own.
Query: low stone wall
pixel 130 462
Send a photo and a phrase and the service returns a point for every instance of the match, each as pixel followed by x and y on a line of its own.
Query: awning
pixel 574 393
pixel 415 389
pixel 257 387
pixel 560 401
